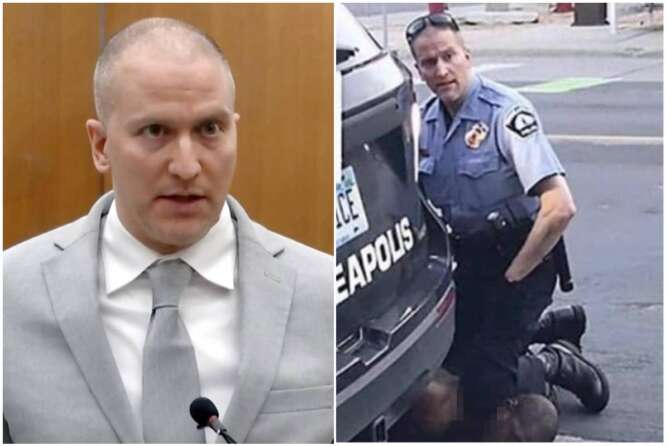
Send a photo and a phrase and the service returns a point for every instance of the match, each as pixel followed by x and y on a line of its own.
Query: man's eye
pixel 210 129
pixel 428 63
pixel 153 131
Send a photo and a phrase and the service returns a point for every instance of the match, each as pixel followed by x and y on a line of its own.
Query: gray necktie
pixel 170 373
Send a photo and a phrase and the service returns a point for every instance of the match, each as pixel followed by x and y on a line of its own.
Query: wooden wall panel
pixel 282 59
pixel 48 175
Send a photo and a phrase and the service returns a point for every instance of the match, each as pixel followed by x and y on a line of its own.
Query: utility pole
pixel 611 17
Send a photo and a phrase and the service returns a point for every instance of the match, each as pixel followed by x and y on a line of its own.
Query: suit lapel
pixel 72 281
pixel 265 292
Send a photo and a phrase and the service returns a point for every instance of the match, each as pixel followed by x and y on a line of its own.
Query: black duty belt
pixel 487 243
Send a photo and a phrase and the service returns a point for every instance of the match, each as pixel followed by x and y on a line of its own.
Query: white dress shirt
pixel 208 307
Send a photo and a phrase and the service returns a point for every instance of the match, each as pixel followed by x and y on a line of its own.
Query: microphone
pixel 204 412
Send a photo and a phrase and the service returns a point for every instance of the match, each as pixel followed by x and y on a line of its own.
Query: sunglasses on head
pixel 439 20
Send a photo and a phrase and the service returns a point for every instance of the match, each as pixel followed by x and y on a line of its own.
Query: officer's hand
pixel 512 276
pixel 556 210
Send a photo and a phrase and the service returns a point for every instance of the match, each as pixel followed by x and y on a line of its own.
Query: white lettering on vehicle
pixel 359 269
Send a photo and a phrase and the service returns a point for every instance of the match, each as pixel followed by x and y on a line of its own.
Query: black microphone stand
pixel 224 434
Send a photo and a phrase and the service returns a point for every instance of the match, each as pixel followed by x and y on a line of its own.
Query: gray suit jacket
pixel 61 383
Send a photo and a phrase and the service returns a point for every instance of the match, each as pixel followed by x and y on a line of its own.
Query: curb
pixel 486 18
pixel 585 43
pixel 539 52
pixel 553 52
pixel 570 439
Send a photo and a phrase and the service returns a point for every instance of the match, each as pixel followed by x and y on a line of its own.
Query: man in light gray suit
pixel 88 356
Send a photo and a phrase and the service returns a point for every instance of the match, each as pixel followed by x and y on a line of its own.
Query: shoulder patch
pixel 522 122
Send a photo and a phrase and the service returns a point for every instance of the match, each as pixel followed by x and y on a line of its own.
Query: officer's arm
pixel 556 210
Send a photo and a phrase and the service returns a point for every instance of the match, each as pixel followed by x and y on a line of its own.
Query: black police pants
pixel 495 323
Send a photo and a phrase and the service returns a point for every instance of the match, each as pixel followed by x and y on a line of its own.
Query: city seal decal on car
pixel 359 269
pixel 522 122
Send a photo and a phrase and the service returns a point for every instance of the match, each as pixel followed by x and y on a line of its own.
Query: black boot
pixel 567 323
pixel 567 368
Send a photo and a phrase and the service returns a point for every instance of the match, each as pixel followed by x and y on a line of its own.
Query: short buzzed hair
pixel 178 35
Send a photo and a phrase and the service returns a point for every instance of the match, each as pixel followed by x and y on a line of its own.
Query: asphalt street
pixel 609 139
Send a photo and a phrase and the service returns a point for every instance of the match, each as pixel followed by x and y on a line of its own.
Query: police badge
pixel 476 135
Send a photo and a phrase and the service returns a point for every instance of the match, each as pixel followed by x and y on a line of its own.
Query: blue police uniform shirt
pixel 492 150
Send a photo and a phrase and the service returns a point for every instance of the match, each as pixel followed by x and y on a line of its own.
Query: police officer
pixel 489 168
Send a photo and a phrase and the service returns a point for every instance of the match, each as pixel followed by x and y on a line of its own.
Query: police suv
pixel 394 288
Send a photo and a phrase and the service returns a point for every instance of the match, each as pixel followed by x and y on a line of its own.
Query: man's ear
pixel 97 138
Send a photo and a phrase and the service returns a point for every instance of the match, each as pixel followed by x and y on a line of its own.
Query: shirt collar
pixel 124 257
pixel 467 109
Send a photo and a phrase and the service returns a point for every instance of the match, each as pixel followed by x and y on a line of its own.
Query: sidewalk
pixel 550 35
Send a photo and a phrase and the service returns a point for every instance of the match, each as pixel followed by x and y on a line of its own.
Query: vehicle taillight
pixel 445 303
pixel 416 128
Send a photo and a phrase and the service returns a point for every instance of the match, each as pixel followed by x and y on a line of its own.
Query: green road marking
pixel 566 84
pixel 609 140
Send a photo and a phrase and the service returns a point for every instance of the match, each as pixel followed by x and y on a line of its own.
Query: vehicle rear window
pixel 353 42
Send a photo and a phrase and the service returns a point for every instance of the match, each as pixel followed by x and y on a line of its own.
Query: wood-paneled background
pixel 282 59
